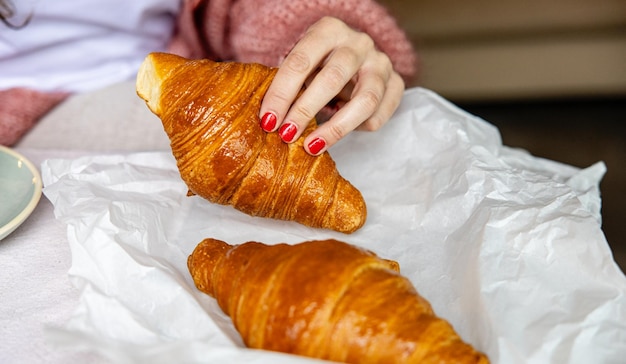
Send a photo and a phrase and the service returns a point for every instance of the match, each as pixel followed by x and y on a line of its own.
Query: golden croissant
pixel 210 113
pixel 325 299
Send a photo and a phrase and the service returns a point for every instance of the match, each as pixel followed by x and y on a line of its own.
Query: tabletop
pixel 35 290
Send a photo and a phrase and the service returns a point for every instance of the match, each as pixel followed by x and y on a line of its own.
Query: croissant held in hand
pixel 210 112
pixel 325 299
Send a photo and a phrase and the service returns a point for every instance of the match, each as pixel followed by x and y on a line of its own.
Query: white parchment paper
pixel 506 246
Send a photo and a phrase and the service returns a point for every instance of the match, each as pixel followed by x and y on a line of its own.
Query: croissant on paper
pixel 325 299
pixel 210 113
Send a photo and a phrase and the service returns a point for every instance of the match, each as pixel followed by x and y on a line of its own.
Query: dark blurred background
pixel 551 75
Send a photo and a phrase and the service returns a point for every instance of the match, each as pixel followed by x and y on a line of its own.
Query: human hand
pixel 334 62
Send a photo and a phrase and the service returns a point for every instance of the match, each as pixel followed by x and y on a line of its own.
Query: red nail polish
pixel 268 121
pixel 287 132
pixel 316 145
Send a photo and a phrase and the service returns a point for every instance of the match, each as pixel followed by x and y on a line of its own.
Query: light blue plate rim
pixel 22 215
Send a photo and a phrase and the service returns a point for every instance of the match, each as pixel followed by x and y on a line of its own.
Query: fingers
pixel 389 104
pixel 336 73
pixel 335 62
pixel 372 105
pixel 303 60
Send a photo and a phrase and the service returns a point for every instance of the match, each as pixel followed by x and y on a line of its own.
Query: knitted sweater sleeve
pixel 264 31
pixel 20 108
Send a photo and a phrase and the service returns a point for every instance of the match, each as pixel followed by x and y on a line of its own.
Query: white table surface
pixel 35 290
pixel 34 287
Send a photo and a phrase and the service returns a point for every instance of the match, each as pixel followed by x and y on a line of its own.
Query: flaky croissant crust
pixel 325 299
pixel 210 112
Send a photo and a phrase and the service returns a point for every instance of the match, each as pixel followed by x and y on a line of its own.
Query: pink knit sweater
pixel 261 31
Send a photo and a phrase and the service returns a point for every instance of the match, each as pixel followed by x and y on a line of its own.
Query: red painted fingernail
pixel 287 132
pixel 316 145
pixel 268 121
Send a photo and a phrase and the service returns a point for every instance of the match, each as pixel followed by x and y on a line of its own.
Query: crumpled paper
pixel 506 246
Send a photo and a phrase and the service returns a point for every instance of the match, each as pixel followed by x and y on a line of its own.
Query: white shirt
pixel 82 45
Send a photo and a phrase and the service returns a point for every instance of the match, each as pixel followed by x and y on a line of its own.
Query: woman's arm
pixel 350 55
pixel 338 64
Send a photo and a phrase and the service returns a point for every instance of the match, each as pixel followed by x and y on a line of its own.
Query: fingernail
pixel 287 132
pixel 268 121
pixel 316 145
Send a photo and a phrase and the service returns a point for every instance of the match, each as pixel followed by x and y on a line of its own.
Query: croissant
pixel 210 113
pixel 325 299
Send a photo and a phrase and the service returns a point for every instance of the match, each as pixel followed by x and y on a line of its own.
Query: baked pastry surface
pixel 210 113
pixel 325 299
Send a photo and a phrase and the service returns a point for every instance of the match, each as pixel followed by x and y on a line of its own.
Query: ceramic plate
pixel 20 190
